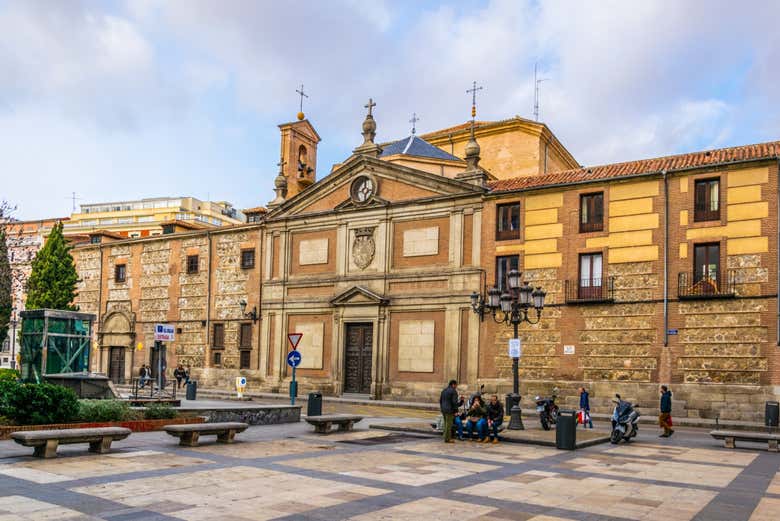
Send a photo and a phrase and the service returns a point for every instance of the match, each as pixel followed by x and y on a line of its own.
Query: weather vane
pixel 414 121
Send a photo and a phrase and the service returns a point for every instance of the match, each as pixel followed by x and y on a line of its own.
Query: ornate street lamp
pixel 512 307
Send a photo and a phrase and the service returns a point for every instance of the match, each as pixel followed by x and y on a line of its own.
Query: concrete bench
pixel 46 442
pixel 189 434
pixel 730 438
pixel 322 424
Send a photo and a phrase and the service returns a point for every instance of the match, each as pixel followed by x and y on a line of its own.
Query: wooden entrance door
pixel 357 355
pixel 116 365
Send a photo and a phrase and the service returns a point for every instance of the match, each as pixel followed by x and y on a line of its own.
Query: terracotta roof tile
pixel 644 166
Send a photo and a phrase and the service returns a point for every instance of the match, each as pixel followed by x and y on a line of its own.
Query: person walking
pixel 585 407
pixel 665 419
pixel 495 417
pixel 144 377
pixel 179 374
pixel 449 402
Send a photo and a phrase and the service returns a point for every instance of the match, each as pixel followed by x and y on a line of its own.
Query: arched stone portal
pixel 116 340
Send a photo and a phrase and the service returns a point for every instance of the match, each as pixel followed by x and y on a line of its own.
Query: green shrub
pixel 159 411
pixel 7 388
pixel 36 404
pixel 105 411
pixel 8 375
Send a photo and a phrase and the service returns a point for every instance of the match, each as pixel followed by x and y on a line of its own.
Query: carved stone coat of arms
pixel 363 247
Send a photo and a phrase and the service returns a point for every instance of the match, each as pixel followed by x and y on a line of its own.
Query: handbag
pixel 669 420
pixel 581 417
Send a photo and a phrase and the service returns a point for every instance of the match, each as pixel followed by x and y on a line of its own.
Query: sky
pixel 118 99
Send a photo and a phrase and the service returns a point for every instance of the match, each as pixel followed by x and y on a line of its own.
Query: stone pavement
pixel 286 472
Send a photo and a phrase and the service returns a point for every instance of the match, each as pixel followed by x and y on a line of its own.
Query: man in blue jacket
pixel 665 419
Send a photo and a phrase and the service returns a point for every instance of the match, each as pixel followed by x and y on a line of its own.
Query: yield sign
pixel 294 339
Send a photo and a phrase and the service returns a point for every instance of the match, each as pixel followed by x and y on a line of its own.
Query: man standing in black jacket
pixel 665 419
pixel 449 401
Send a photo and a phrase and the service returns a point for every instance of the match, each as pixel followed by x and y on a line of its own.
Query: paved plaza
pixel 286 472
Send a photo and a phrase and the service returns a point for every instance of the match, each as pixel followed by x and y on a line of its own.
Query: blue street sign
pixel 672 332
pixel 294 358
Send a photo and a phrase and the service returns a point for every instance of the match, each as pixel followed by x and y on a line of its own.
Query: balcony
pixel 590 290
pixel 689 288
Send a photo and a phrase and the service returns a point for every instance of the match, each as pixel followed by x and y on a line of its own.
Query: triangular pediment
pixel 394 184
pixel 359 296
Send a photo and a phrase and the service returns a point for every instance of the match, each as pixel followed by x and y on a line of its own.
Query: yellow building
pixel 152 216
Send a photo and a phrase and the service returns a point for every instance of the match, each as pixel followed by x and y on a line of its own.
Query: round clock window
pixel 363 188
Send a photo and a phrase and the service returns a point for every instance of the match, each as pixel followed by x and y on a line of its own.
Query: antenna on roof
pixel 73 198
pixel 537 93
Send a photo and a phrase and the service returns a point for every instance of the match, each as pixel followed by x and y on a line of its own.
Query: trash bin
pixel 566 430
pixel 772 414
pixel 314 407
pixel 192 390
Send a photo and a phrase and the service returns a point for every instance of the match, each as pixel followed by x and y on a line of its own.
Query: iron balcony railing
pixel 590 290
pixel 721 285
pixel 593 226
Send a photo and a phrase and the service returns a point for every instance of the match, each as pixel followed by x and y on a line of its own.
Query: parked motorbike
pixel 548 411
pixel 625 421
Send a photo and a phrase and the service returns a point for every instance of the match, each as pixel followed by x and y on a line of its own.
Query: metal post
pixel 516 417
pixel 13 340
pixel 293 388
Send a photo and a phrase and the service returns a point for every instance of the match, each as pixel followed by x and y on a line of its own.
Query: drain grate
pixel 381 440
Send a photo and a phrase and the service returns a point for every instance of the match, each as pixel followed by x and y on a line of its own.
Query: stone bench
pixel 189 434
pixel 46 442
pixel 730 438
pixel 322 424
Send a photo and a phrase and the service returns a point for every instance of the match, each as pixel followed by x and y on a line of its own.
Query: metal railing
pixel 692 287
pixel 150 389
pixel 590 290
pixel 703 212
pixel 593 226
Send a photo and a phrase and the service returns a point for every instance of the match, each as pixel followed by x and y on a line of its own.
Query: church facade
pixel 656 271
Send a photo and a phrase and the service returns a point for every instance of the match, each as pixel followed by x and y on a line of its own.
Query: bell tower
pixel 299 152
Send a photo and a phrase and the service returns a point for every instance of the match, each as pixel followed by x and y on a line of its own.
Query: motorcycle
pixel 625 421
pixel 548 411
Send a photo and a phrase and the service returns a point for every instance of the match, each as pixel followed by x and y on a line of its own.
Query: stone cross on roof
pixel 370 105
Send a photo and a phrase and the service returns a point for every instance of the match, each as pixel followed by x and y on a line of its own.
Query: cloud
pixel 154 97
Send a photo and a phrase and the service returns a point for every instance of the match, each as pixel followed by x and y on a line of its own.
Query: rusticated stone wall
pixel 723 341
pixel 88 286
pixel 158 289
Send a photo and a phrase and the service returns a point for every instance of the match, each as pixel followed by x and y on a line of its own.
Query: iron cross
pixel 303 95
pixel 414 121
pixel 370 105
pixel 473 91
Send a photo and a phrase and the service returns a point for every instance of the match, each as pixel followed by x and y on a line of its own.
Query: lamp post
pixel 511 307
pixel 13 337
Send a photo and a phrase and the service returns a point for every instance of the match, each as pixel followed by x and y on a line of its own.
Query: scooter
pixel 548 411
pixel 625 421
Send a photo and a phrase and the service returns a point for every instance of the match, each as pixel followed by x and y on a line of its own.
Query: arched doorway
pixel 116 339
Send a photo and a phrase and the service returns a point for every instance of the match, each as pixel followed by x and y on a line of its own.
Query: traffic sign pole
pixel 293 388
pixel 293 360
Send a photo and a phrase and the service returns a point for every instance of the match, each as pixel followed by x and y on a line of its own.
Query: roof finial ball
pixel 369 125
pixel 302 95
